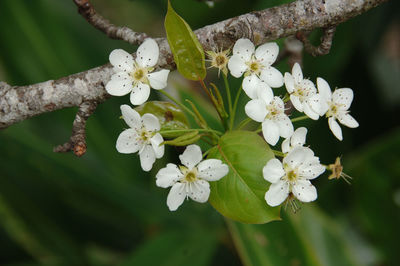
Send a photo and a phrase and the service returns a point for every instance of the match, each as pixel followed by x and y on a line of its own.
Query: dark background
pixel 101 209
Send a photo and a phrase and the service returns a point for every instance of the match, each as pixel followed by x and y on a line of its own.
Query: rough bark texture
pixel 21 102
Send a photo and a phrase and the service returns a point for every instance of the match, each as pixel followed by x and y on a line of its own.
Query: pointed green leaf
pixel 169 115
pixel 186 48
pixel 240 194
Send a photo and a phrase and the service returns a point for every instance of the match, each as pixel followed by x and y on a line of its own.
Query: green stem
pixel 190 130
pixel 228 93
pixel 299 118
pixel 258 130
pixel 286 98
pixel 244 123
pixel 278 153
pixel 235 106
pixel 169 96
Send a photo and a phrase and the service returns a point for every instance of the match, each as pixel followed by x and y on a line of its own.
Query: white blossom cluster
pixel 289 177
pixel 136 76
pixel 299 165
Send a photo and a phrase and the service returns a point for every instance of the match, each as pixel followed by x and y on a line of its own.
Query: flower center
pixel 139 74
pixel 220 60
pixel 333 110
pixel 145 135
pixel 273 110
pixel 190 176
pixel 291 174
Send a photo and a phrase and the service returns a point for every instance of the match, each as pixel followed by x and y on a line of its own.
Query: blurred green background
pixel 101 209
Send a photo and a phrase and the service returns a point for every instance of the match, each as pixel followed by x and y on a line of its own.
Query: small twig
pixel 325 45
pixel 77 142
pixel 86 9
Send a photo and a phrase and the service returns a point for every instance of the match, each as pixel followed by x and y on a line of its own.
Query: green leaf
pixel 175 248
pixel 169 115
pixel 186 48
pixel 308 237
pixel 240 194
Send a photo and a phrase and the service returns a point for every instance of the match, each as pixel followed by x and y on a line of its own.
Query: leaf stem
pixel 169 96
pixel 212 99
pixel 299 118
pixel 244 123
pixel 228 94
pixel 235 106
pixel 219 133
pixel 278 153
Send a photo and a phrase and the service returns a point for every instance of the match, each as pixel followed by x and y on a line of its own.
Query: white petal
pixel 309 85
pixel 140 93
pixel 158 80
pixel 212 169
pixel 314 103
pixel 278 103
pixel 265 92
pixel 127 142
pixel 256 110
pixel 285 126
pixel 324 89
pixel 311 169
pixel 150 122
pixel 131 117
pixel 273 170
pixel 272 76
pixel 168 176
pixel 309 112
pixel 267 53
pixel 299 137
pixel 296 102
pixel 270 132
pixel 348 120
pixel 250 85
pixel 121 60
pixel 289 82
pixel 191 156
pixel 147 53
pixel 297 156
pixel 335 128
pixel 297 73
pixel 199 190
pixel 176 196
pixel 156 140
pixel 237 66
pixel 344 97
pixel 277 193
pixel 147 158
pixel 243 48
pixel 285 145
pixel 304 191
pixel 120 84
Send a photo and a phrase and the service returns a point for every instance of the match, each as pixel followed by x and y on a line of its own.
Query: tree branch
pixel 21 102
pixel 325 45
pixel 87 11
pixel 77 142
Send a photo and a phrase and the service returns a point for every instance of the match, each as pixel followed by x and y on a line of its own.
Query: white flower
pixel 190 180
pixel 336 106
pixel 303 93
pixel 298 139
pixel 270 111
pixel 256 64
pixel 134 76
pixel 142 137
pixel 292 176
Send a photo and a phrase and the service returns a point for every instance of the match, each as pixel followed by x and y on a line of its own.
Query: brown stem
pixel 325 45
pixel 77 142
pixel 87 11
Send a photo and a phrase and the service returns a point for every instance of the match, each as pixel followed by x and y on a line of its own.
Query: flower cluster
pixel 135 76
pixel 289 177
